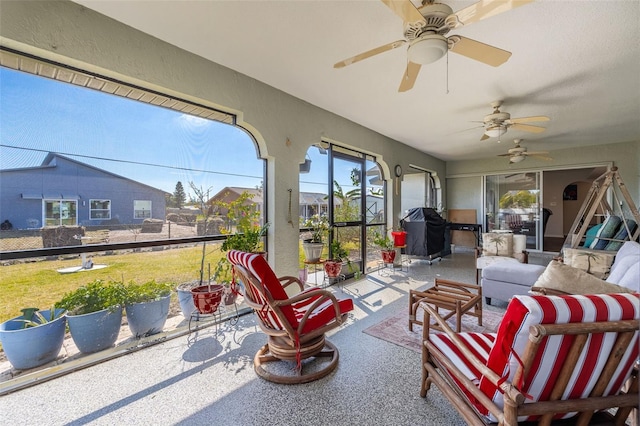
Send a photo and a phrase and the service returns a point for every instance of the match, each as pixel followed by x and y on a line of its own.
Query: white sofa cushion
pixel 625 270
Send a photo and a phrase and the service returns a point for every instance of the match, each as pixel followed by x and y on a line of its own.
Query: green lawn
pixel 38 284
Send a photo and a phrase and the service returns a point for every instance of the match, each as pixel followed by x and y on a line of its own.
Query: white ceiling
pixel 577 62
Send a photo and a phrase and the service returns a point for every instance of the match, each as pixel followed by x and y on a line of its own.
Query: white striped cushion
pixel 478 343
pixel 525 311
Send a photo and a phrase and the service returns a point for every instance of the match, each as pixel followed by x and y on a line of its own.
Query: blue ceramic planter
pixel 147 318
pixel 185 299
pixel 95 331
pixel 34 346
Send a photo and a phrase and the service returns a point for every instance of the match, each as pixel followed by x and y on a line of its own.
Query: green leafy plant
pixel 338 252
pixel 40 318
pixel 248 240
pixel 145 292
pixel 93 297
pixel 319 226
pixel 383 241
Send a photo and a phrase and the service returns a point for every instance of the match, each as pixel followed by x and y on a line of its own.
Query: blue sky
pixel 43 114
pixel 39 115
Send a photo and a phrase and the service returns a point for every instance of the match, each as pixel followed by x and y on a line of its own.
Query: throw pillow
pixel 621 235
pixel 497 244
pixel 608 230
pixel 591 234
pixel 561 278
pixel 596 263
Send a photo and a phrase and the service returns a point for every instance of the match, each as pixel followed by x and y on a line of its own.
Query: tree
pixel 179 196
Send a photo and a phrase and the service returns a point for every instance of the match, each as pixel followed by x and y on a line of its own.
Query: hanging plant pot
pixel 388 256
pixel 207 298
pixel 399 238
pixel 332 268
pixel 312 251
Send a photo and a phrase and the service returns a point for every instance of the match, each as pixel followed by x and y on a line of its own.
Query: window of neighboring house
pixel 141 209
pixel 99 209
pixel 60 212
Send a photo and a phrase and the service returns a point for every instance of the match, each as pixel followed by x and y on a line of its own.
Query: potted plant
pixel 146 306
pixel 386 245
pixel 246 236
pixel 333 266
pixel 33 338
pixel 94 314
pixel 313 246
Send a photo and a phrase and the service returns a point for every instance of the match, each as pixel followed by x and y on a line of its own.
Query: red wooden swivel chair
pixel 295 325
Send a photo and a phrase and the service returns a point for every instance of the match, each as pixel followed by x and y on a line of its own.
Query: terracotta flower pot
pixel 332 268
pixel 207 298
pixel 388 256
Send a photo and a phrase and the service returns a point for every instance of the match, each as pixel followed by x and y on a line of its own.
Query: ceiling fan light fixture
pixel 427 49
pixel 496 131
pixel 517 158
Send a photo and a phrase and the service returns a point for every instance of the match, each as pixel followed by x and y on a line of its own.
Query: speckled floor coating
pixel 208 378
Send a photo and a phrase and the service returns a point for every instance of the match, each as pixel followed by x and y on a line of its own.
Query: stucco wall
pixel 69 33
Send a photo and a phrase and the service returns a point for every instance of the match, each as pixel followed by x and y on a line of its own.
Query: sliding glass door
pixel 513 202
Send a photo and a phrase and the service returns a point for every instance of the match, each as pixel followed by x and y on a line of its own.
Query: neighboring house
pixel 229 194
pixel 312 203
pixel 63 191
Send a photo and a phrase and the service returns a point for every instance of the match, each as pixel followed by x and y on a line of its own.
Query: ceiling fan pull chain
pixel 447 72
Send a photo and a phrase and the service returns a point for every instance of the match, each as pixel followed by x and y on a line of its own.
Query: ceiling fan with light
pixel 425 29
pixel 497 123
pixel 519 153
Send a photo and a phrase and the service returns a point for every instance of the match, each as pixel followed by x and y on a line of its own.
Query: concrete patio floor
pixel 207 377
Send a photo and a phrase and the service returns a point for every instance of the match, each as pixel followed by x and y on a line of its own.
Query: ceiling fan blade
pixel 370 53
pixel 406 11
pixel 504 155
pixel 485 9
pixel 540 156
pixel 537 152
pixel 528 128
pixel 409 77
pixel 481 52
pixel 528 119
pixel 484 137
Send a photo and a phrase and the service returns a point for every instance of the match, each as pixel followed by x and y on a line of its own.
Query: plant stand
pixel 315 268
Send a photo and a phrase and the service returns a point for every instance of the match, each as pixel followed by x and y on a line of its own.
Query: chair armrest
pixel 287 280
pixel 322 296
pixel 478 252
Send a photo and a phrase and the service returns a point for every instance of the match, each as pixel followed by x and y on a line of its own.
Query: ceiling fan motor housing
pixel 435 15
pixel 496 118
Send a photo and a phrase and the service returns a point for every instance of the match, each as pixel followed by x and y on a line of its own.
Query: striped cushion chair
pixel 295 325
pixel 552 358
